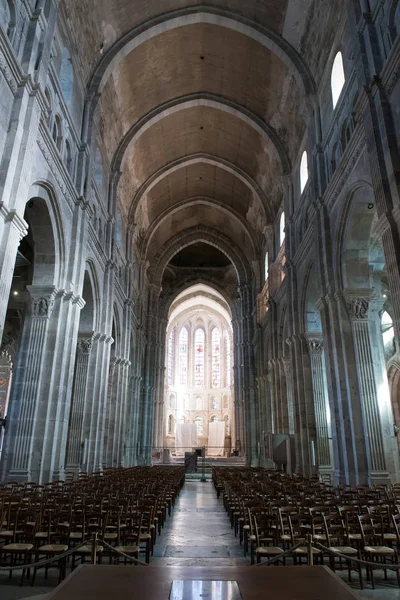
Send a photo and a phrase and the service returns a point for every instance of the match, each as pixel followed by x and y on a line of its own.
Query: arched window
pixel 8 18
pixel 215 404
pixel 337 78
pixel 68 157
pixel 66 76
pixel 214 419
pixel 228 365
pixel 57 132
pixel 199 425
pixel 98 169
pixel 282 226
pixel 303 171
pixel 216 358
pixel 171 425
pixel 171 357
pixel 118 227
pixel 387 329
pixel 172 401
pixel 199 357
pixel 182 419
pixel 183 356
pixel 199 403
pixel 266 266
pixel 49 105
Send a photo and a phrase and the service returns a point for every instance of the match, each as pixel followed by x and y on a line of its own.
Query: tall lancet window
pixel 183 356
pixel 216 355
pixel 228 359
pixel 199 358
pixel 171 357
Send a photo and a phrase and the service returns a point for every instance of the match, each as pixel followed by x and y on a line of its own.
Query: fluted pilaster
pixel 316 349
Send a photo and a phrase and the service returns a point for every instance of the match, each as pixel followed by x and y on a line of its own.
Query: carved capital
pixel 358 308
pixel 315 345
pixel 85 345
pixel 287 366
pixel 42 306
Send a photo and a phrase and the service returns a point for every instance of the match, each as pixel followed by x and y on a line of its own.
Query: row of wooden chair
pixel 124 508
pixel 272 513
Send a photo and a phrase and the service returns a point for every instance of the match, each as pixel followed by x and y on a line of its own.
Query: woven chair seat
pixel 17 547
pixel 269 550
pixel 57 548
pixel 381 550
pixel 344 550
pixel 88 549
pixel 128 549
pixel 303 550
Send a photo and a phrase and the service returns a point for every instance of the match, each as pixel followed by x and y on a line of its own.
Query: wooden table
pixel 154 583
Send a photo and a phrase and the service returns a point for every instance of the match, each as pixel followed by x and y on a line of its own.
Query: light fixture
pixel 15 293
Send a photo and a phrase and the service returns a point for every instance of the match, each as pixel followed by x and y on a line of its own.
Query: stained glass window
pixel 215 367
pixel 199 425
pixel 228 359
pixel 215 404
pixel 214 419
pixel 199 358
pixel 171 361
pixel 183 356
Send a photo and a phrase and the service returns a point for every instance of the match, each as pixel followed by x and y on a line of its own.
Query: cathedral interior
pixel 200 242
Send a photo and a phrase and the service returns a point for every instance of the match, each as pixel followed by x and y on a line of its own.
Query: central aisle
pixel 198 532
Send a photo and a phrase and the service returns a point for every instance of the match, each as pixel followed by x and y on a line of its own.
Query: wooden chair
pixel 263 536
pixel 334 523
pixel 378 554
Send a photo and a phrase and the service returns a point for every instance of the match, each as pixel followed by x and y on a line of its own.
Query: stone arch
pixel 206 99
pixel 195 159
pixel 394 385
pixel 49 221
pixel 194 15
pixel 191 280
pixel 194 202
pixel 92 288
pixel 355 251
pixel 208 236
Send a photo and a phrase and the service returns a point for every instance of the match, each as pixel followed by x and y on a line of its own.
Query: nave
pixel 202 523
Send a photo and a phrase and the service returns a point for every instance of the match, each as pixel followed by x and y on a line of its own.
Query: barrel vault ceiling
pixel 203 108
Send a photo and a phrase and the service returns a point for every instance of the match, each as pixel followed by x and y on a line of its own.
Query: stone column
pixel 252 425
pixel 324 462
pixel 75 441
pixel 150 375
pixel 358 307
pixel 95 407
pixel 25 397
pixel 109 423
pixel 287 367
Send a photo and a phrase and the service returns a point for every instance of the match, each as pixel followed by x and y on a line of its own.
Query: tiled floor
pixel 198 533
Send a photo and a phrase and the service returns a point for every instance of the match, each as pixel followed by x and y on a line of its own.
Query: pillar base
pixel 379 477
pixel 20 475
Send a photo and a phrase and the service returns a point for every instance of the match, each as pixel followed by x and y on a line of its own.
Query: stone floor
pixel 198 533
